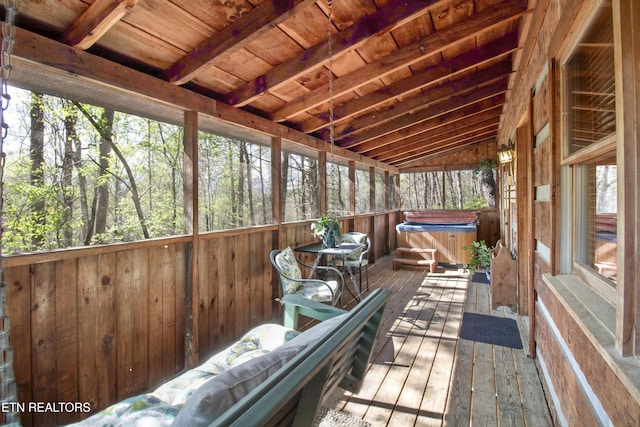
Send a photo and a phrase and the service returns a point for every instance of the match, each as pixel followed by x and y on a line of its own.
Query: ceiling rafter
pixel 422 164
pixel 412 53
pixel 429 76
pixel 437 121
pixel 96 20
pixel 436 95
pixel 451 135
pixel 459 144
pixel 411 76
pixel 433 131
pixel 436 109
pixel 234 37
pixel 387 18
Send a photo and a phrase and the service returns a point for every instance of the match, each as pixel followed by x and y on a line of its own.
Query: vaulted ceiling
pixel 406 80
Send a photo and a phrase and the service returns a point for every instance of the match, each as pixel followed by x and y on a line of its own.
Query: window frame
pixel 627 105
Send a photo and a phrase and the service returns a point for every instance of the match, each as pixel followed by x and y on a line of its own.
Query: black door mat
pixel 479 277
pixel 490 329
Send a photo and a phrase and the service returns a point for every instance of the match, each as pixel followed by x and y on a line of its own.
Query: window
pixel 590 148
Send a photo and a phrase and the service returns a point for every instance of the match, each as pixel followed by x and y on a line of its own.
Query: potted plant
pixel 327 228
pixel 480 256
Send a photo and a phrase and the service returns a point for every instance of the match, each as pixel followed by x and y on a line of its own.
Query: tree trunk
pixel 70 139
pixel 234 201
pixel 252 214
pixel 37 164
pixel 100 208
pixel 488 186
pixel 459 186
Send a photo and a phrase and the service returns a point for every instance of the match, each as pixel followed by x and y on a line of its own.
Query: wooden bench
pixel 428 258
pixel 273 375
pixel 294 394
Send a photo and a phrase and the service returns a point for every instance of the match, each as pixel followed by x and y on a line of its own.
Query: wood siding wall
pixel 566 349
pixel 103 323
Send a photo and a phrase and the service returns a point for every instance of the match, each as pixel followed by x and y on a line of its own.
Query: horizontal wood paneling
pixel 616 398
pixel 575 408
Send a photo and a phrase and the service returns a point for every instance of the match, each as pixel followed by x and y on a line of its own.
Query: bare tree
pixel 100 208
pixel 37 163
pixel 70 139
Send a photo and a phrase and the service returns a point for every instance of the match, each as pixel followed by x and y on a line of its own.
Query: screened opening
pixel 234 183
pixel 301 187
pixel 337 189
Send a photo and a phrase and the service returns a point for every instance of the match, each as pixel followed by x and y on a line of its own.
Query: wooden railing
pixel 102 323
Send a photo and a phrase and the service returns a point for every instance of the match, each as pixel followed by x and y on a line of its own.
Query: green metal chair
pixel 291 281
pixel 358 259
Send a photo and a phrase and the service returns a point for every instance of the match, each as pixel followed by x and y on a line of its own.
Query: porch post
pixel 276 184
pixel 626 14
pixel 352 187
pixel 190 184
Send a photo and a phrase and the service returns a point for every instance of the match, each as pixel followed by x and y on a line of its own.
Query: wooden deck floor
pixel 423 374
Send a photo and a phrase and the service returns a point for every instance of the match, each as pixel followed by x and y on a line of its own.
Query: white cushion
pixel 224 390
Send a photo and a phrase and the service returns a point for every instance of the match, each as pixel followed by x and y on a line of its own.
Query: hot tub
pixel 446 231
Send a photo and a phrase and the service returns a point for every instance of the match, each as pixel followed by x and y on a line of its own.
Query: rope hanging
pixel 8 394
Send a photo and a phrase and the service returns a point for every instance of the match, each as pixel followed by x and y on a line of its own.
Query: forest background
pixel 78 175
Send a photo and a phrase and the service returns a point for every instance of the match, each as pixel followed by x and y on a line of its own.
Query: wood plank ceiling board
pixel 218 17
pixel 391 59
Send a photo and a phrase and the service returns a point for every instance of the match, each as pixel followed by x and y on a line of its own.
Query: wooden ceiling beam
pixel 417 165
pixel 434 110
pixel 95 21
pixel 482 22
pixel 495 102
pixel 46 57
pixel 393 15
pixel 234 37
pixel 427 143
pixel 430 76
pixel 434 127
pixel 459 124
pixel 444 149
pixel 436 95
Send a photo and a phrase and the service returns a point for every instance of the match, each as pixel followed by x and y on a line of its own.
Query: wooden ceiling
pixel 412 79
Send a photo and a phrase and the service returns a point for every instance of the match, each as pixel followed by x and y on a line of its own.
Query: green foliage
pixel 324 225
pixel 476 203
pixel 480 255
pixel 485 165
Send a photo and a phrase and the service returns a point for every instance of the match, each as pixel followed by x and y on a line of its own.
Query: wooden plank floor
pixel 423 374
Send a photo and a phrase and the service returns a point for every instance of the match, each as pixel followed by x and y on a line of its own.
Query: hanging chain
pixel 330 49
pixel 8 392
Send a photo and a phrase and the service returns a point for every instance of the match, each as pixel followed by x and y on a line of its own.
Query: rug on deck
pixel 490 329
pixel 329 417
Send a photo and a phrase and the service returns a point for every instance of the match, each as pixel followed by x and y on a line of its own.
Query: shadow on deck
pixel 423 374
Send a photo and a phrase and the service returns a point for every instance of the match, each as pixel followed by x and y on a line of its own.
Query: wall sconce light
pixel 506 153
